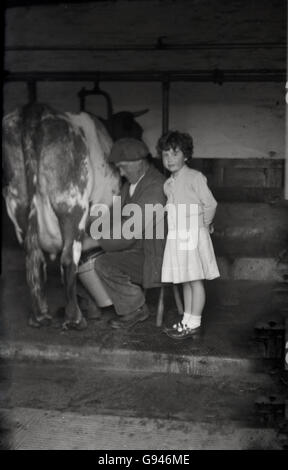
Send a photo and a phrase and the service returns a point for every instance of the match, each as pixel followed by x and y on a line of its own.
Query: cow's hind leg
pixel 72 234
pixel 36 274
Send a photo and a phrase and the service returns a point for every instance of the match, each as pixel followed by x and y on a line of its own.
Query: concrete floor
pixel 104 389
pixel 232 310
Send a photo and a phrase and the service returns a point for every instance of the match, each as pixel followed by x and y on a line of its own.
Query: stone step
pixel 37 429
pixel 49 405
pixel 196 362
pixel 242 268
pixel 250 230
pixel 87 388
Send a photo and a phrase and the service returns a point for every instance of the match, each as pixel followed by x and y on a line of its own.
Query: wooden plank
pixel 107 61
pixel 250 178
pixel 242 173
pixel 116 22
pixel 209 163
pixel 275 177
pixel 236 194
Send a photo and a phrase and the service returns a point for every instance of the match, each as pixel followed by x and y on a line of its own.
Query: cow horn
pixel 140 113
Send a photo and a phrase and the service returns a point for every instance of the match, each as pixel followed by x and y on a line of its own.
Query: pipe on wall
pixel 96 91
pixel 215 76
pixel 159 45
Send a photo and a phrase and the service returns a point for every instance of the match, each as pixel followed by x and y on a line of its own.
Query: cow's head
pixel 123 124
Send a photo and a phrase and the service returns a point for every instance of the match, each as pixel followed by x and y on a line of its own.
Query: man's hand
pixel 89 243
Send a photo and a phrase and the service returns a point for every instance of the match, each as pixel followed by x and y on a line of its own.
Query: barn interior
pixel 216 70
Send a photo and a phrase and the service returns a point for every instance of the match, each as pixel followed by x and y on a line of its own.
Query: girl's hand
pixel 211 228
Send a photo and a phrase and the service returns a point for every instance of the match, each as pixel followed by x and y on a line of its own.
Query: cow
pixel 123 124
pixel 55 164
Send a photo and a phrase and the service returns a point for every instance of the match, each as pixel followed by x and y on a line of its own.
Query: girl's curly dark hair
pixel 174 140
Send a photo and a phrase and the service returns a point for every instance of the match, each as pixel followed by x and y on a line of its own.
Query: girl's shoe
pixel 184 332
pixel 170 329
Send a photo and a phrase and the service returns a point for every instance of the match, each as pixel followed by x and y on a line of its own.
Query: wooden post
pixel 178 299
pixel 160 308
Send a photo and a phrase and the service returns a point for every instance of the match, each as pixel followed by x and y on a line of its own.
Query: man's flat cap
pixel 128 150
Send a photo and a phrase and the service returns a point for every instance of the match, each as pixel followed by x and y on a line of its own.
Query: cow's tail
pixel 31 136
pixel 7 172
pixel 31 133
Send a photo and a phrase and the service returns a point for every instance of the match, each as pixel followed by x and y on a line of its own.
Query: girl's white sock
pixel 191 321
pixel 186 318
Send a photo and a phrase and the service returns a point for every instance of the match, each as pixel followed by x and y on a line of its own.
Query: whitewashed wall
pixel 239 120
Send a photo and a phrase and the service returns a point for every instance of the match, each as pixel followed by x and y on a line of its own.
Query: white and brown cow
pixel 54 165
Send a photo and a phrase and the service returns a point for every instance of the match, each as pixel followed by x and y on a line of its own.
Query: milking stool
pixel 160 307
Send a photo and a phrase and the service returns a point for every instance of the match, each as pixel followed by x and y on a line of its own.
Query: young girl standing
pixel 187 263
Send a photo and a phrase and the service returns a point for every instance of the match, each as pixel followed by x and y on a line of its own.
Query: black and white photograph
pixel 144 228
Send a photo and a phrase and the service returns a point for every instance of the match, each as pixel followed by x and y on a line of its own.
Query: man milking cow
pixel 56 164
pixel 130 264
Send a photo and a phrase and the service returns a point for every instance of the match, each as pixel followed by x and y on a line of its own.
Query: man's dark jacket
pixel 149 190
